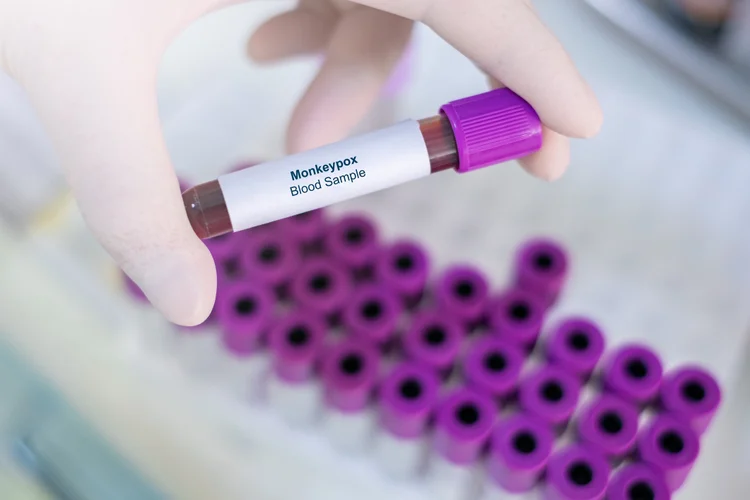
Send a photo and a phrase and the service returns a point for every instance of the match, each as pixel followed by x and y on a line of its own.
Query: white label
pixel 324 176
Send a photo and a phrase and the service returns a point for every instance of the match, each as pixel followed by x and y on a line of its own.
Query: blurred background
pixel 654 212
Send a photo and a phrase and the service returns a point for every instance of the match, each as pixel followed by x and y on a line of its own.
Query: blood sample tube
pixel 550 394
pixel 691 394
pixel 609 425
pixel 434 340
pixel 296 344
pixel 493 366
pixel 372 314
pixel 520 447
pixel 462 292
pixel 576 473
pixel 404 267
pixel 406 400
pixel 468 134
pixel 671 446
pixel 353 242
pixel 322 287
pixel 271 259
pixel 638 481
pixel 541 267
pixel 517 317
pixel 633 372
pixel 350 373
pixel 306 229
pixel 576 345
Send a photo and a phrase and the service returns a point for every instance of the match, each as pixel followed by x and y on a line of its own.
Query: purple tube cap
pixel 517 317
pixel 433 339
pixel 492 128
pixel 609 425
pixel 270 258
pixel 353 240
pixel 550 394
pixel 372 313
pixel 577 473
pixel 462 291
pixel 692 394
pixel 403 267
pixel 321 286
pixel 493 366
pixel 638 481
pixel 464 421
pixel 541 266
pixel 633 372
pixel 408 396
pixel 576 345
pixel 304 228
pixel 671 446
pixel 296 342
pixel 350 372
pixel 243 311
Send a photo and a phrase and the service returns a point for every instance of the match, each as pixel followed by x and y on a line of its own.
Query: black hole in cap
pixel 354 236
pixel 579 341
pixel 610 422
pixel 637 369
pixel 410 389
pixel 231 267
pixel 580 473
pixel 372 310
pixel 351 364
pixel 467 414
pixel 543 261
pixel 519 311
pixel 245 306
pixel 641 491
pixel 671 442
pixel 495 362
pixel 552 391
pixel 269 254
pixel 320 283
pixel 404 263
pixel 298 336
pixel 464 289
pixel 693 391
pixel 525 443
pixel 434 335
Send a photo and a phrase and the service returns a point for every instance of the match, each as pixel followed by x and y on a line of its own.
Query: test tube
pixel 493 366
pixel 407 398
pixel 462 291
pixel 434 340
pixel 517 317
pixel 576 473
pixel 404 268
pixel 550 394
pixel 372 314
pixel 271 259
pixel 691 394
pixel 541 267
pixel 638 481
pixel 671 447
pixel 609 425
pixel 633 372
pixel 321 287
pixel 576 345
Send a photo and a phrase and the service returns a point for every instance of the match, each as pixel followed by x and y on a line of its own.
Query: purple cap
pixel 609 425
pixel 244 311
pixel 576 473
pixel 350 372
pixel 520 447
pixel 634 373
pixel 462 291
pixel 404 268
pixel 463 424
pixel 321 286
pixel 550 394
pixel 353 241
pixel 372 313
pixel 296 342
pixel 270 259
pixel 305 228
pixel 691 394
pixel 493 366
pixel 493 127
pixel 671 446
pixel 517 317
pixel 434 340
pixel 541 267
pixel 408 396
pixel 576 345
pixel 638 482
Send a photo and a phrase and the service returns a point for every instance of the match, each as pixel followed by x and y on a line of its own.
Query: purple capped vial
pixel 691 394
pixel 541 267
pixel 576 473
pixel 321 287
pixel 609 425
pixel 404 268
pixel 462 291
pixel 353 241
pixel 550 394
pixel 671 446
pixel 516 316
pixel 372 313
pixel 633 372
pixel 638 481
pixel 306 229
pixel 244 311
pixel 493 366
pixel 576 345
pixel 463 424
pixel 434 340
pixel 270 259
pixel 520 447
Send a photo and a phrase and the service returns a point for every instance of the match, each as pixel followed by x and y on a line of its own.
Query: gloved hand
pixel 90 66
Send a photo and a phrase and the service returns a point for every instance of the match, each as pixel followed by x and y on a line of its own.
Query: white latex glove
pixel 90 68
